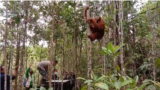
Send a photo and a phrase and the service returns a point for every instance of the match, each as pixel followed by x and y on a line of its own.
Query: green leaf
pixel 102 85
pixel 101 78
pixel 118 68
pixel 109 83
pixel 157 63
pixel 84 87
pixel 1 11
pixel 125 83
pixel 145 83
pixel 81 78
pixel 92 75
pixel 156 83
pixel 136 79
pixel 12 2
pixel 42 88
pixel 118 48
pixel 103 52
pixel 17 19
pixel 117 85
pixel 88 81
pixel 115 49
pixel 110 47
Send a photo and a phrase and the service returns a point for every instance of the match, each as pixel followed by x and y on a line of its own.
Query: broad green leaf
pixel 110 47
pixel 92 75
pixel 134 83
pixel 115 49
pixel 95 77
pixel 88 81
pixel 145 83
pixel 102 85
pixel 117 85
pixel 150 87
pixel 84 87
pixel 156 83
pixel 109 83
pixel 42 88
pixel 136 79
pixel 103 52
pixel 81 78
pixel 131 89
pixel 118 68
pixel 119 47
pixel 101 78
pixel 157 63
pixel 103 48
pixel 125 83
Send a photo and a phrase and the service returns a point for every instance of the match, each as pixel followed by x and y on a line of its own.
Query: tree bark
pixel 121 36
pixel 51 46
pixel 89 54
pixel 5 53
pixel 17 55
pixel 23 52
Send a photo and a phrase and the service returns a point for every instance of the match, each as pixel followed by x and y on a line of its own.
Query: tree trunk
pixel 5 54
pixel 89 54
pixel 17 55
pixel 116 20
pixel 51 47
pixel 11 59
pixel 121 36
pixel 40 56
pixel 22 61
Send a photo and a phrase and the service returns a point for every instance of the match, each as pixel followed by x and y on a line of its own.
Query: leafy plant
pixel 111 50
pixel 114 82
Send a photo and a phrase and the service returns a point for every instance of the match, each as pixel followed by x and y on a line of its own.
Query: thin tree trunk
pixel 11 59
pixel 51 47
pixel 121 36
pixel 5 54
pixel 89 55
pixel 40 56
pixel 153 46
pixel 23 53
pixel 63 65
pixel 17 55
pixel 116 20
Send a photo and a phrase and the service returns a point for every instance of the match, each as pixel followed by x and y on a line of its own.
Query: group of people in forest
pixel 30 81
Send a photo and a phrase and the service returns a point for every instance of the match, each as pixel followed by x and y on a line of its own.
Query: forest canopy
pixel 127 57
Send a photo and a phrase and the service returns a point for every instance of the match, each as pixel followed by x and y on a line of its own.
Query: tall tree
pixel 23 52
pixel 5 51
pixel 51 45
pixel 89 53
pixel 121 36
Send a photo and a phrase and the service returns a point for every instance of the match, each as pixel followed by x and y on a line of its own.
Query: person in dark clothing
pixel 55 75
pixel 65 75
pixel 73 79
pixel 2 78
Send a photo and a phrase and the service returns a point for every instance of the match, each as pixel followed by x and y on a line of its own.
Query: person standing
pixel 30 78
pixel 55 75
pixel 2 78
